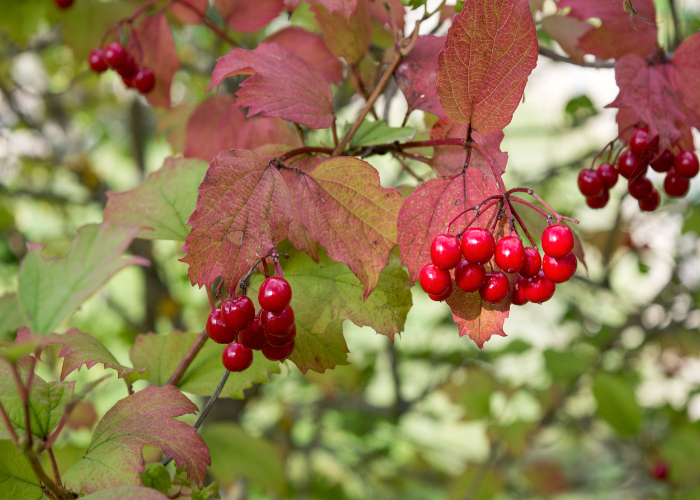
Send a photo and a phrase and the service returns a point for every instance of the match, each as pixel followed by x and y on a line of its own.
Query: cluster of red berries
pixel 632 165
pixel 536 277
pixel 272 330
pixel 116 57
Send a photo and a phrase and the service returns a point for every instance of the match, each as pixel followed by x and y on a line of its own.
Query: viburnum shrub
pixel 287 226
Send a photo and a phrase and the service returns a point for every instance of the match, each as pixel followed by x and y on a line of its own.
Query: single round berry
pixel 539 288
pixel 275 294
pixel 557 240
pixel 253 337
pixel 676 185
pixel 598 201
pixel 128 68
pixel 590 183
pixel 478 245
pixel 561 269
pixel 237 357
pixel 659 471
pixel 64 4
pixel 470 277
pixel 217 329
pixel 277 323
pixel 129 82
pixel 642 143
pixel 97 61
pixel 433 280
pixel 285 339
pixel 630 166
pixel 115 54
pixel 533 263
pixel 446 251
pixel 145 80
pixel 440 298
pixel 518 296
pixel 238 313
pixel 278 353
pixel 495 288
pixel 651 202
pixel 608 174
pixel 510 254
pixel 663 162
pixel 640 187
pixel 686 164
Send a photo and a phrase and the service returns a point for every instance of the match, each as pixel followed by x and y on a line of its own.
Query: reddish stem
pixel 546 205
pixel 278 269
pixel 494 170
pixel 266 271
pixel 302 151
pixel 476 216
pixel 8 425
pixel 433 142
pixel 475 207
pixel 186 361
pixel 522 225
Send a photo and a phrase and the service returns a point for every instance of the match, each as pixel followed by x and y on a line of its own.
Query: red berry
pixel 510 254
pixel 237 357
pixel 518 296
pixel 128 68
pixel 651 202
pixel 533 263
pixel 598 201
pixel 539 288
pixel 561 269
pixel 676 185
pixel 277 323
pixel 275 294
pixel 64 4
pixel 433 280
pixel 276 341
pixel 97 61
pixel 253 337
pixel 478 245
pixel 278 353
pixel 446 251
pixel 495 288
pixel 663 162
pixel 470 277
pixel 608 174
pixel 557 240
pixel 641 142
pixel 144 80
pixel 129 82
pixel 686 164
pixel 590 183
pixel 630 166
pixel 440 298
pixel 217 330
pixel 238 313
pixel 640 187
pixel 115 54
pixel 660 471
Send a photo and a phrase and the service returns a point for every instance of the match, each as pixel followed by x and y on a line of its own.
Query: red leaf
pixel 312 49
pixel 378 11
pixel 187 15
pixel 567 31
pixel 243 211
pixel 343 206
pixel 686 77
pixel 476 318
pixel 347 36
pixel 247 16
pixel 152 46
pixel 491 49
pixel 417 73
pixel 620 32
pixel 283 85
pixel 344 7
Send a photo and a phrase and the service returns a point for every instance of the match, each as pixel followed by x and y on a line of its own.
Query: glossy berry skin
pixel 128 68
pixel 64 4
pixel 253 337
pixel 510 254
pixel 676 185
pixel 129 82
pixel 557 240
pixel 278 353
pixel 533 263
pixel 561 269
pixel 217 330
pixel 275 294
pixel 651 202
pixel 145 80
pixel 663 162
pixel 433 280
pixel 277 323
pixel 237 357
pixel 115 54
pixel 590 183
pixel 659 471
pixel 470 277
pixel 446 251
pixel 630 166
pixel 478 245
pixel 97 61
pixel 539 288
pixel 440 298
pixel 599 201
pixel 608 174
pixel 686 164
pixel 641 143
pixel 276 341
pixel 518 297
pixel 640 188
pixel 496 287
pixel 238 313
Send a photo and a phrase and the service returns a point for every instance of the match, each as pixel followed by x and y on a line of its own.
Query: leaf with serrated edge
pixel 162 203
pixel 417 73
pixel 348 37
pixel 243 211
pixel 247 16
pixel 312 49
pixel 51 290
pixel 17 479
pixel 379 132
pixel 343 207
pixel 491 50
pixel 475 317
pixel 144 418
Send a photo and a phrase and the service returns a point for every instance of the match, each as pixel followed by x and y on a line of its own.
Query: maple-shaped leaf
pixel 144 418
pixel 312 49
pixel 566 31
pixel 344 208
pixel 243 211
pixel 162 204
pixel 475 317
pixel 123 492
pixel 153 47
pixel 348 37
pixel 416 75
pixel 190 11
pixel 686 78
pixel 17 478
pixel 162 353
pixel 283 85
pixel 491 50
pixel 50 290
pixel 247 16
pixel 619 32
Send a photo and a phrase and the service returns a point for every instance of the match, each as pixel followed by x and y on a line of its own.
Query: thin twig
pixel 598 63
pixel 406 168
pixel 335 133
pixel 46 480
pixel 54 466
pixel 300 133
pixel 189 357
pixel 522 225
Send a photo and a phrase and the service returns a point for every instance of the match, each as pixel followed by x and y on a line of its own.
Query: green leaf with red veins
pixel 193 12
pixel 491 50
pixel 567 31
pixel 51 290
pixel 247 16
pixel 243 212
pixel 344 208
pixel 144 418
pixel 312 49
pixel 686 78
pixel 476 318
pixel 417 73
pixel 162 203
pixel 283 85
pixel 346 37
pixel 130 492
pixel 153 47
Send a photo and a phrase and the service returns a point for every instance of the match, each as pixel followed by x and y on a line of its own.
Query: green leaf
pixel 579 109
pixel 163 202
pixel 17 479
pixel 126 492
pixel 681 449
pixel 566 366
pixel 156 477
pixel 10 314
pixel 373 133
pixel 254 458
pixel 616 403
pixel 209 491
pixel 162 353
pixel 51 290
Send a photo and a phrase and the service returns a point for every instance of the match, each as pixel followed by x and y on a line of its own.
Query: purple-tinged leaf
pixel 247 16
pixel 348 37
pixel 345 8
pixel 476 318
pixel 193 12
pixel 417 75
pixel 567 31
pixel 312 49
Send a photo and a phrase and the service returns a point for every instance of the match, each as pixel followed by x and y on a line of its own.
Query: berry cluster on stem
pixel 115 56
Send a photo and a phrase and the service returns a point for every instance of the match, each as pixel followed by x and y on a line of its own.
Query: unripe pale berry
pixel 495 288
pixel 433 280
pixel 561 269
pixel 446 251
pixel 478 245
pixel 510 254
pixel 470 277
pixel 237 357
pixel 557 240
